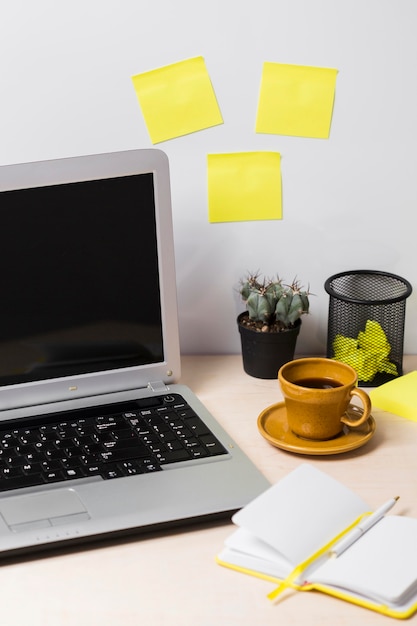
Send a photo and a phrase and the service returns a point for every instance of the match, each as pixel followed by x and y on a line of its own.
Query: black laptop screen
pixel 79 279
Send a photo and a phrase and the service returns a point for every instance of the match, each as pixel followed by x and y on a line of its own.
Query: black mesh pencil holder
pixel 366 323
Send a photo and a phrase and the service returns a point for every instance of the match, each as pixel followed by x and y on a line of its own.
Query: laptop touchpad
pixel 53 508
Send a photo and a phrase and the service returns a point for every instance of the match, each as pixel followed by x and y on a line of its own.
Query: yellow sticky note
pixel 177 99
pixel 398 396
pixel 368 353
pixel 296 100
pixel 244 186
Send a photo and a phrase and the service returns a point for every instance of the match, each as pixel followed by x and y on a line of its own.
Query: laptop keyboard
pixel 111 441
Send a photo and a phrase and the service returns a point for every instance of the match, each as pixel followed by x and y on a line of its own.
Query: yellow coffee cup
pixel 318 393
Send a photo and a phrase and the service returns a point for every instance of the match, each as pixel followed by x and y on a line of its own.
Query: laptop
pixel 97 437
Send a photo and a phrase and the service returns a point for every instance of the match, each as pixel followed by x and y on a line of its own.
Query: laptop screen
pixel 83 291
pixel 83 250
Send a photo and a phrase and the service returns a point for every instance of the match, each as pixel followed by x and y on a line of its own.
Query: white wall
pixel 349 202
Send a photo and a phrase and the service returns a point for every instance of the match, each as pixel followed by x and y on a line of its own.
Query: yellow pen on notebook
pixel 365 524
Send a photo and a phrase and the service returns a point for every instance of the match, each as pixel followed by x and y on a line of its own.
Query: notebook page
pixel 301 513
pixel 380 565
pixel 246 551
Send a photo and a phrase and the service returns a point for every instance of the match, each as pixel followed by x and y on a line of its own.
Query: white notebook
pixel 288 532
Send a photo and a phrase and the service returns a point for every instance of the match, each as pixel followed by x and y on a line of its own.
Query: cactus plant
pixel 272 305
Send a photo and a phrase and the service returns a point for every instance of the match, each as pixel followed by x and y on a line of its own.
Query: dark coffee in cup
pixel 318 383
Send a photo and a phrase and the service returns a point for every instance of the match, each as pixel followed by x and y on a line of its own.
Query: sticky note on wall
pixel 244 186
pixel 296 100
pixel 177 99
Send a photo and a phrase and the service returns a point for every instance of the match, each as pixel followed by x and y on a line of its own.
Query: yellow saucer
pixel 272 424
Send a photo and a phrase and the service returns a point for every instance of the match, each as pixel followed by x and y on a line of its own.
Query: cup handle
pixel 366 402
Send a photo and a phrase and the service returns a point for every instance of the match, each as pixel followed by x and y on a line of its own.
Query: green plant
pixel 272 305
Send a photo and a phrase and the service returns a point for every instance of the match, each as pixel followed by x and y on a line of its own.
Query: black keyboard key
pixel 142 429
pixel 26 450
pixel 109 424
pixel 130 468
pixel 198 452
pixel 173 420
pixel 73 473
pixel 29 437
pixel 11 472
pixel 85 430
pixel 173 457
pixel 147 461
pixel 51 466
pixel 55 454
pixel 186 413
pixel 152 467
pixel 111 471
pixel 20 481
pixel 197 426
pixel 16 461
pixel 82 441
pixel 182 431
pixel 167 435
pixel 213 446
pixel 150 439
pixel 71 461
pixel 92 449
pixel 64 432
pixel 54 476
pixel 47 434
pixel 71 450
pixel 124 433
pixel 124 454
pixel 174 445
pixel 8 442
pixel 93 470
pixel 32 468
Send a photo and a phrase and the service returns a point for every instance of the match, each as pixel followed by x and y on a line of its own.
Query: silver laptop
pixel 96 437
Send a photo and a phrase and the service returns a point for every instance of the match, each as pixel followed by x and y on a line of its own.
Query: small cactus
pixel 273 305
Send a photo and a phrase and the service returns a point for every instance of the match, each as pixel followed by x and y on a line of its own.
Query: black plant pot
pixel 264 353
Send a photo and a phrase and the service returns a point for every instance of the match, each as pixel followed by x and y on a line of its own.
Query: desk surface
pixel 172 578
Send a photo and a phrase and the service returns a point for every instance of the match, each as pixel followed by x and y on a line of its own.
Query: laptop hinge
pixel 158 386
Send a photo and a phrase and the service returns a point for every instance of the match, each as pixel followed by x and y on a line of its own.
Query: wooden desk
pixel 172 578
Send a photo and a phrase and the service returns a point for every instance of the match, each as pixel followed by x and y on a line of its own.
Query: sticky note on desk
pixel 177 99
pixel 398 396
pixel 244 186
pixel 296 100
